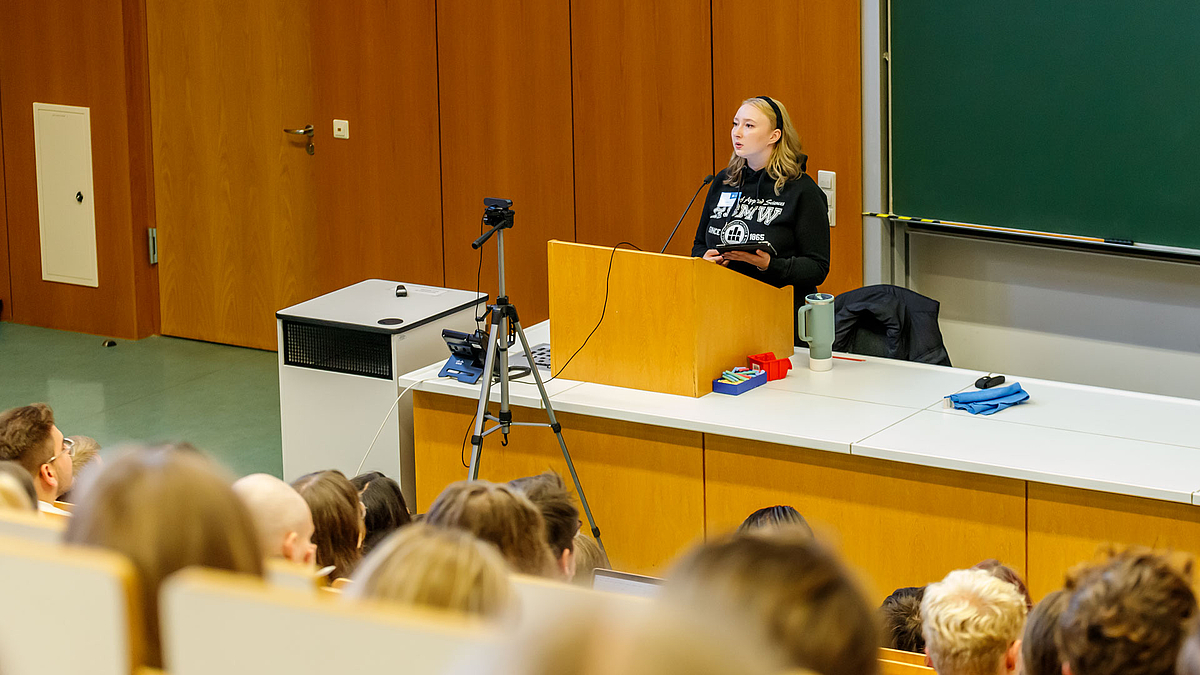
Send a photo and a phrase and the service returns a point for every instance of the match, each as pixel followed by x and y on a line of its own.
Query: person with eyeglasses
pixel 29 437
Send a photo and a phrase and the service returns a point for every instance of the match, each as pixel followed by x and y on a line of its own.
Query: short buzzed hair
pixel 24 433
pixel 1128 615
pixel 969 619
pixel 275 507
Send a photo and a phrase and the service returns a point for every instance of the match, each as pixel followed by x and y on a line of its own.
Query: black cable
pixel 603 308
pixel 462 452
pixel 478 274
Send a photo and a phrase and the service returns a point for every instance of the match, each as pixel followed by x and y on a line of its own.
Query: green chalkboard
pixel 1060 116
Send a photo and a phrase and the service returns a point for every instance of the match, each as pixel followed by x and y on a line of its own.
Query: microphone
pixel 707 179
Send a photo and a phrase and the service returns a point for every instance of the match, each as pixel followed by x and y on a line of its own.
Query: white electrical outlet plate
pixel 341 129
pixel 827 181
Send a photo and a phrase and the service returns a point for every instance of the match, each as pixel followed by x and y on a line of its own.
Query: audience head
pixel 1005 573
pixel 588 557
pixel 16 487
pixel 586 640
pixel 1126 615
pixel 435 567
pixel 384 504
pixel 793 590
pixel 29 437
pixel 165 508
pixel 281 517
pixel 901 613
pixel 85 453
pixel 500 515
pixel 972 624
pixel 774 518
pixel 1188 662
pixel 337 519
pixel 549 494
pixel 1039 653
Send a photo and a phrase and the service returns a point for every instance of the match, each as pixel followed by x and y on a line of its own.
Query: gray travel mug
pixel 815 321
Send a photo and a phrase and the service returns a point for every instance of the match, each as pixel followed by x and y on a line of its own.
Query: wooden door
pixel 234 193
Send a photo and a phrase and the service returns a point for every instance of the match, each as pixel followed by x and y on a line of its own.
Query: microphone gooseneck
pixel 707 179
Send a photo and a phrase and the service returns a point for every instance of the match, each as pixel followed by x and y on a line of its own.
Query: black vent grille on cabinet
pixel 340 350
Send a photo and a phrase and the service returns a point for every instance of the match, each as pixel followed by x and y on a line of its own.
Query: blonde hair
pixel 16 487
pixel 87 449
pixel 786 161
pixel 434 567
pixel 165 508
pixel 969 619
pixel 588 557
pixel 500 515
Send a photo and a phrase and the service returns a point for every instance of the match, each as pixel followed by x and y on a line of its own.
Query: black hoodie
pixel 796 222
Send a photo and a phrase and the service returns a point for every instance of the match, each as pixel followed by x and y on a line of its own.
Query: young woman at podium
pixel 764 215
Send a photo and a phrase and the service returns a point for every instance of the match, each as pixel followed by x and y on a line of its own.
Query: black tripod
pixel 499 215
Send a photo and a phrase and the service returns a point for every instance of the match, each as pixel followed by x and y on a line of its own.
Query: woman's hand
pixel 712 255
pixel 759 259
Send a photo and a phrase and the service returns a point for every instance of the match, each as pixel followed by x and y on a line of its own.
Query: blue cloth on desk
pixel 988 401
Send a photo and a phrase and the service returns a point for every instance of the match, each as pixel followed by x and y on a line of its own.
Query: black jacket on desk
pixel 796 222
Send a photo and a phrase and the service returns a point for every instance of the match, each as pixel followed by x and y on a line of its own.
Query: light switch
pixel 341 129
pixel 827 181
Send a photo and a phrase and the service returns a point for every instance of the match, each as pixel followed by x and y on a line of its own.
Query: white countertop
pixel 1066 434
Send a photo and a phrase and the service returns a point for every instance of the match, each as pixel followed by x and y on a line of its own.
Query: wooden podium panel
pixel 644 484
pixel 671 324
pixel 896 524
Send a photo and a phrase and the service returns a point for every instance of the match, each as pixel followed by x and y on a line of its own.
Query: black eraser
pixel 401 291
pixel 987 382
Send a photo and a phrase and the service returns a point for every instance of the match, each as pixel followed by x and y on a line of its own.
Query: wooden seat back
pixel 69 610
pixel 219 622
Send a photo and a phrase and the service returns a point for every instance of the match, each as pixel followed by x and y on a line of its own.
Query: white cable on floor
pixel 384 422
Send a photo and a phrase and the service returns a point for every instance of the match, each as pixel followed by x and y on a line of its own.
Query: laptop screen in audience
pixel 624 582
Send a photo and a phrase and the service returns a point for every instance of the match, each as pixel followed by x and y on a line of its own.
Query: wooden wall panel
pixel 5 288
pixel 643 118
pixel 71 52
pixel 505 74
pixel 377 193
pixel 1068 526
pixel 141 166
pixel 807 56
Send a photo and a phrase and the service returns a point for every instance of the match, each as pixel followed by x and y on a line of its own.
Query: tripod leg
pixel 557 428
pixel 485 394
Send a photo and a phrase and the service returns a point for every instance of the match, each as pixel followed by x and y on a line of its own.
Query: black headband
pixel 778 115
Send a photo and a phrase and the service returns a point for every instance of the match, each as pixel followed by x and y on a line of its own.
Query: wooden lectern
pixel 672 323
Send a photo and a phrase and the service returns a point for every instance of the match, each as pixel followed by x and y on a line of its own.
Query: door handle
pixel 306 131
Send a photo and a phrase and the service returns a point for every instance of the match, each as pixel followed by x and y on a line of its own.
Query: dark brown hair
pixel 549 494
pixel 500 515
pixel 1005 573
pixel 901 612
pixel 24 436
pixel 386 509
pixel 794 589
pixel 165 508
pixel 337 519
pixel 1039 651
pixel 1126 615
pixel 776 518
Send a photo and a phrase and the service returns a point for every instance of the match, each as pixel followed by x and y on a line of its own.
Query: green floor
pixel 224 400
